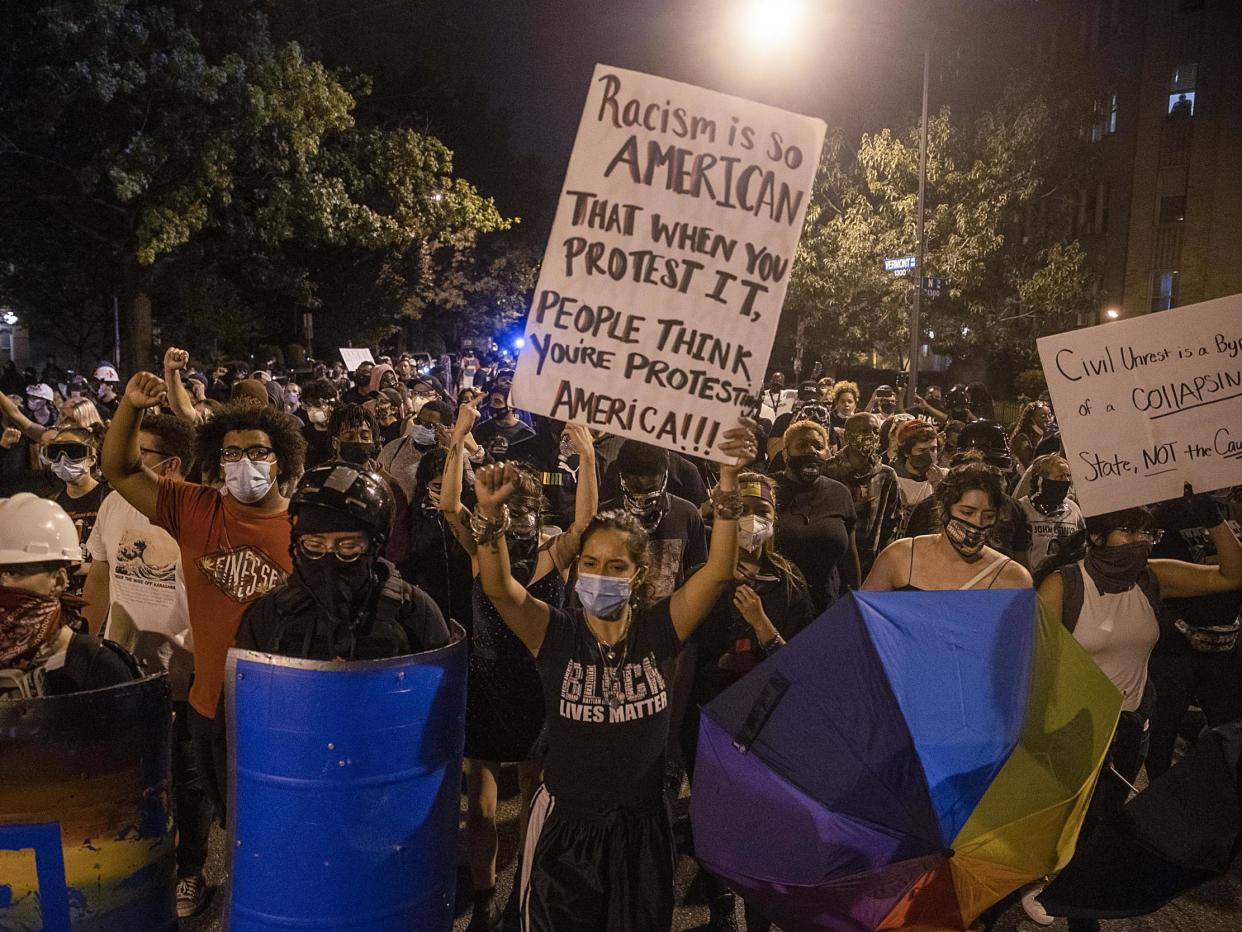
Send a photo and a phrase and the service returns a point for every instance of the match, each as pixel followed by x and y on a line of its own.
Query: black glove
pixel 1204 510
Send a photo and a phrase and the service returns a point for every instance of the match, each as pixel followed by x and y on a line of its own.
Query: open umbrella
pixel 1180 831
pixel 905 762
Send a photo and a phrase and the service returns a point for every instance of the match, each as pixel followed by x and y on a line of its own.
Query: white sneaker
pixel 191 895
pixel 1034 910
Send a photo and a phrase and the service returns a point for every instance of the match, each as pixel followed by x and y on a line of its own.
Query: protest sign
pixel 663 279
pixel 353 357
pixel 1150 403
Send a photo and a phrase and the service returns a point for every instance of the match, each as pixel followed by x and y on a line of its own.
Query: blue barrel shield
pixel 343 790
pixel 86 832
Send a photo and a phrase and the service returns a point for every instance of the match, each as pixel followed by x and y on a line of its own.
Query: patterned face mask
pixel 967 539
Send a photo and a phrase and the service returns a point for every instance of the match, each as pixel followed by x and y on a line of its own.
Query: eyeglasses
pixel 74 451
pixel 256 454
pixel 148 451
pixel 346 550
pixel 1154 535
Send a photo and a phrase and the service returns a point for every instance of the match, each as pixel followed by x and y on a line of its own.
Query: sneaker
pixel 191 895
pixel 1032 907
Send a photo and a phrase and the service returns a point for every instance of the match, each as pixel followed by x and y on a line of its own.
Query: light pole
pixel 916 335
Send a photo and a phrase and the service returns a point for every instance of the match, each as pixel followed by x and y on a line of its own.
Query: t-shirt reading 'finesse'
pixel 607 719
pixel 229 558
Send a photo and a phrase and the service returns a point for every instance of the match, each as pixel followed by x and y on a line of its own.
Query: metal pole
pixel 916 330
pixel 116 333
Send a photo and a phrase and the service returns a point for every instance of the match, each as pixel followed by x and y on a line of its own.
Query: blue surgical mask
pixel 604 597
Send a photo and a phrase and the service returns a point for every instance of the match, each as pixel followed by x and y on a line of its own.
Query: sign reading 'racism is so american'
pixel 1149 404
pixel 663 279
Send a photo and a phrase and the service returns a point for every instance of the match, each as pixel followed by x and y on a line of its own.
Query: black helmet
pixel 990 437
pixel 361 498
pixel 957 397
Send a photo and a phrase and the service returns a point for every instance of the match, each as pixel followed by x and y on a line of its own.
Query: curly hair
pixel 351 416
pixel 843 388
pixel 318 390
pixel 969 477
pixel 284 430
pixel 799 428
pixel 635 537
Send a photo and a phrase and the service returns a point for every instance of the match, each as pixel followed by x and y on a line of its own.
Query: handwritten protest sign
pixel 663 279
pixel 354 357
pixel 1150 403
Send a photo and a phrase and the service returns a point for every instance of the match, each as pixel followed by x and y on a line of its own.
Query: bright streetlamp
pixel 1112 313
pixel 772 24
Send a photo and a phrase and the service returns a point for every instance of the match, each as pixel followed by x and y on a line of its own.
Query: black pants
pixel 193 805
pixel 209 737
pixel 607 872
pixel 1212 680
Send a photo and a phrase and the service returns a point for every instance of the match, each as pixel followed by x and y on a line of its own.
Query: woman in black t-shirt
pixel 599 849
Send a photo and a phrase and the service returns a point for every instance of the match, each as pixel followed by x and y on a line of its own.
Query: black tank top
pixel 909 588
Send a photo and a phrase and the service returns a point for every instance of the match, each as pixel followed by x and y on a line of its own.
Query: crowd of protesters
pixel 608 588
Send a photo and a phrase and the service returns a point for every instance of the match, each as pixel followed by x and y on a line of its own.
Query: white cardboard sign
pixel 664 275
pixel 1150 403
pixel 354 357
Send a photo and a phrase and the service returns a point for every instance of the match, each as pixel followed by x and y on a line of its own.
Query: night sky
pixel 856 63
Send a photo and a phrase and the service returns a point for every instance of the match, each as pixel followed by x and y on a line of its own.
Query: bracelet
pixel 772 643
pixel 727 505
pixel 485 530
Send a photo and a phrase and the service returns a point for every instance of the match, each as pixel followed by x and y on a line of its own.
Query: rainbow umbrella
pixel 905 762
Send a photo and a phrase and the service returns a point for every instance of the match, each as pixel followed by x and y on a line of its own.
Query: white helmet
pixel 106 374
pixel 40 390
pixel 36 530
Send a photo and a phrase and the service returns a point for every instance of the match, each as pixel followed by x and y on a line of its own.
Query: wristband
pixel 485 530
pixel 773 643
pixel 727 506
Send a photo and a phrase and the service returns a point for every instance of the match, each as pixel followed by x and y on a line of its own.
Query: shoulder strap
pixel 388 606
pixel 996 565
pixel 1072 595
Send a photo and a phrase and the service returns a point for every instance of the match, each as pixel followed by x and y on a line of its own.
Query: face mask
pixel 317 415
pixel 865 445
pixel 27 621
pixel 1117 569
pixel 355 452
pixel 68 471
pixel 604 597
pixel 292 399
pixel 888 407
pixel 753 532
pixel 499 414
pixel 1048 495
pixel 523 525
pixel 422 435
pixel 647 507
pixel 248 481
pixel 336 585
pixel 921 461
pixel 967 539
pixel 804 467
pixel 37 404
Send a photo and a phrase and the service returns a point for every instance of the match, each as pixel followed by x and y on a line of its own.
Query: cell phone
pixel 902 380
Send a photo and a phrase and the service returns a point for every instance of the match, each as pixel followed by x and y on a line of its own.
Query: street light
pixel 772 23
pixel 1112 313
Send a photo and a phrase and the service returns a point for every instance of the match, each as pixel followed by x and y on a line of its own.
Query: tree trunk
pixel 799 346
pixel 137 352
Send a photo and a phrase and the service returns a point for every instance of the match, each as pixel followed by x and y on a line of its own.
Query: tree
pixel 171 143
pixel 996 231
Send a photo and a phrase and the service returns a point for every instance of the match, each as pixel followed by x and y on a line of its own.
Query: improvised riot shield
pixel 343 790
pixel 86 833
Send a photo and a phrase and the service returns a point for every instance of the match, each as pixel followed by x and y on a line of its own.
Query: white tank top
pixel 1118 630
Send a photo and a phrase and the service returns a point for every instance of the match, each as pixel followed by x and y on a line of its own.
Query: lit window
pixel 1182 92
pixel 1164 291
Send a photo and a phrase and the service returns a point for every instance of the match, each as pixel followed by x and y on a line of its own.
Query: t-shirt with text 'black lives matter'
pixel 604 755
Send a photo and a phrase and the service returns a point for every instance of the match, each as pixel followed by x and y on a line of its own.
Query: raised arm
pixel 526 616
pixel 1179 580
pixel 121 461
pixel 179 399
pixel 586 500
pixel 457 514
pixel 691 603
pixel 13 415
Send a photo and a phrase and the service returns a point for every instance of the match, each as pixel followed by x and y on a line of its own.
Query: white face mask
pixel 317 415
pixel 753 532
pixel 69 471
pixel 248 481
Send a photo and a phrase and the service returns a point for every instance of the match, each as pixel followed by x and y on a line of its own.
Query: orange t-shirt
pixel 229 557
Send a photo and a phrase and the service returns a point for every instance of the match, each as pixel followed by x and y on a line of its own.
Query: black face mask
pixel 804 467
pixel 920 462
pixel 339 588
pixel 1116 569
pixel 1048 495
pixel 888 407
pixel 354 452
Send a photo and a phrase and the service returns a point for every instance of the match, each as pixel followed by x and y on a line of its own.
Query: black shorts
pixel 608 872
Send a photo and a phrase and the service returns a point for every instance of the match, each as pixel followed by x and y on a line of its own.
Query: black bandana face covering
pixel 804 467
pixel 1048 495
pixel 1116 569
